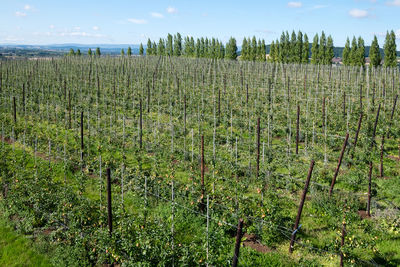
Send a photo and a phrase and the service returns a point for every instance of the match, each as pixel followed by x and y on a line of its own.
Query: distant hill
pixel 54 50
pixel 61 49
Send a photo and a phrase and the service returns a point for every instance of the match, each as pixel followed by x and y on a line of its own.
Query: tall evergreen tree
pixel 198 48
pixel 203 47
pixel 154 49
pixel 243 54
pixel 292 48
pixel 177 44
pixel 374 53
pixel 271 52
pixel 122 52
pixel 98 53
pixel 161 47
pixel 253 50
pixel 299 48
pixel 169 45
pixel 129 52
pixel 329 53
pixel 71 52
pixel 360 52
pixel 353 52
pixel 315 50
pixel 306 50
pixel 346 59
pixel 263 51
pixel 281 49
pixel 390 50
pixel 141 50
pixel 149 49
pixel 89 52
pixel 231 49
pixel 78 52
pixel 322 49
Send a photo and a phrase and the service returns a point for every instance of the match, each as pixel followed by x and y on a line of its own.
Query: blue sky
pixel 132 22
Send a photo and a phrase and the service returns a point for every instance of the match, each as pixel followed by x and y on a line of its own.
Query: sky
pixel 132 22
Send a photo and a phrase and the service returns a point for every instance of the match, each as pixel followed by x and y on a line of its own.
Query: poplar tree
pixel 122 52
pixel 71 52
pixel 353 52
pixel 141 50
pixel 360 52
pixel 89 52
pixel 231 49
pixel 177 44
pixel 306 50
pixel 129 52
pixel 329 53
pixel 263 51
pixel 299 48
pixel 198 48
pixel 390 50
pixel 169 46
pixel 253 50
pixel 346 53
pixel 243 53
pixel 272 52
pixel 98 53
pixel 149 50
pixel 374 53
pixel 161 47
pixel 315 50
pixel 78 52
pixel 322 49
pixel 292 48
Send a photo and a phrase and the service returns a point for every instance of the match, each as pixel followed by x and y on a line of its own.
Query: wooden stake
pixel 339 163
pixel 202 167
pixel 258 148
pixel 382 150
pixel 237 244
pixel 109 200
pixel 342 241
pixel 298 130
pixel 369 189
pixel 140 124
pixel 15 110
pixel 303 198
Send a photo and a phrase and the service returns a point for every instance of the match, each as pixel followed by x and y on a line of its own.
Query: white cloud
pixel 51 26
pixel 81 34
pixel 157 15
pixel 20 14
pixel 138 21
pixel 358 13
pixel 393 3
pixel 172 10
pixel 319 6
pixel 77 28
pixel 96 28
pixel 27 7
pixel 295 4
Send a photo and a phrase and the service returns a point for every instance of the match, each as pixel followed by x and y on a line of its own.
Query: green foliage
pixel 129 52
pixel 98 53
pixel 389 48
pixel 346 59
pixel 374 53
pixel 315 50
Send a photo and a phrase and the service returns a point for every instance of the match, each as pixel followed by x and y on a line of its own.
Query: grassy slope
pixel 16 250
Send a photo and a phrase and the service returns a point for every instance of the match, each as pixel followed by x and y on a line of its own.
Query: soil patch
pixel 253 243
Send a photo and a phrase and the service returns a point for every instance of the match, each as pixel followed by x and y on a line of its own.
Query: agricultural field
pixel 155 160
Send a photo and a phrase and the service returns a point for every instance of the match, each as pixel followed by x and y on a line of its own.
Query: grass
pixel 16 250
